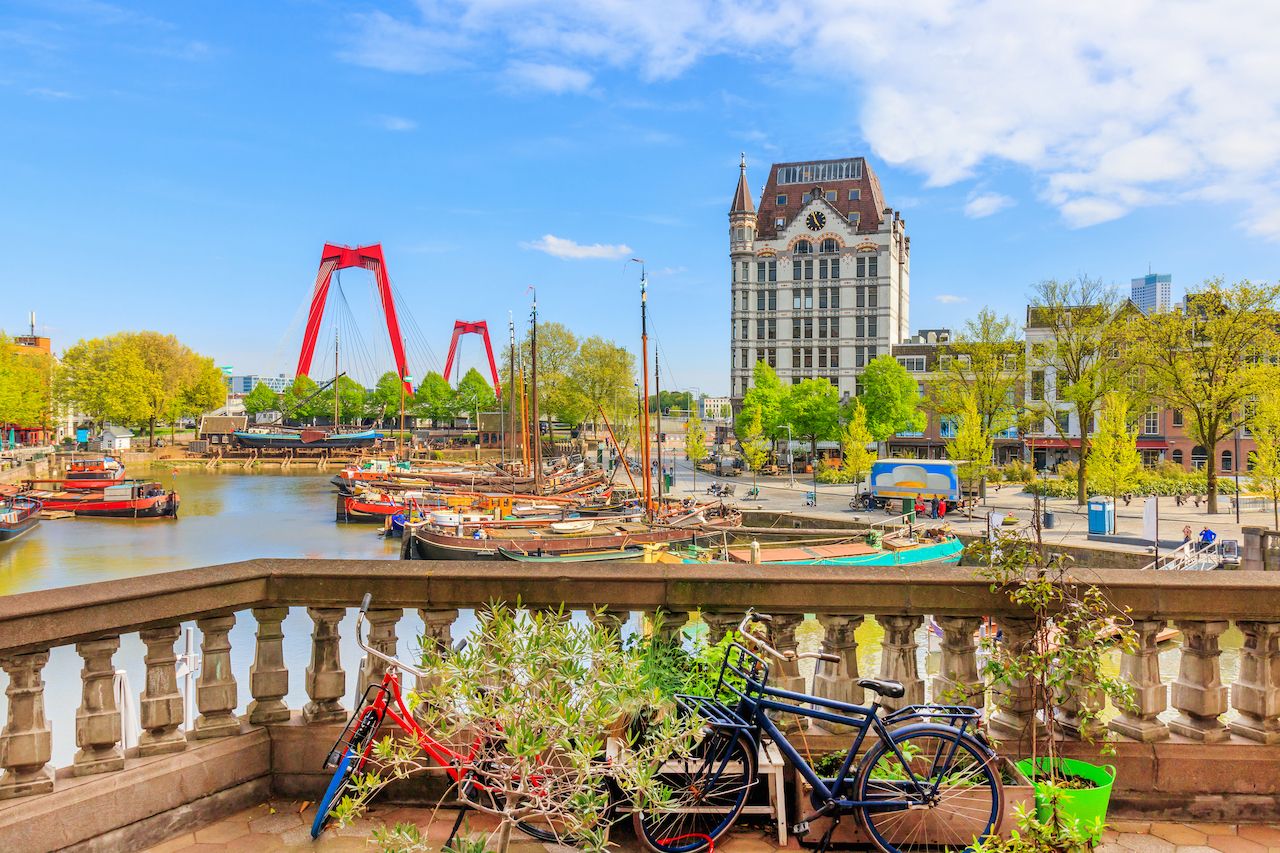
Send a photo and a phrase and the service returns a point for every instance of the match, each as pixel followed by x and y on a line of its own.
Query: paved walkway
pixel 284 825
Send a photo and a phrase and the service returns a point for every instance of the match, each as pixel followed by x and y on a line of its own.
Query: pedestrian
pixel 942 508
pixel 919 507
pixel 933 507
pixel 1186 533
pixel 1206 537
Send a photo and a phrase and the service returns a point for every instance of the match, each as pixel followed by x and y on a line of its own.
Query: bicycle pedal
pixel 801 828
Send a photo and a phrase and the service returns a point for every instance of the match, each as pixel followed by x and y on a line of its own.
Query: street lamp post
pixel 791 460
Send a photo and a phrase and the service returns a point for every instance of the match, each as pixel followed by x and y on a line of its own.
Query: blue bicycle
pixel 928 780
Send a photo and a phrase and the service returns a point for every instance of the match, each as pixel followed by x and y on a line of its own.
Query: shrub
pixel 1148 483
pixel 833 472
pixel 1069 470
pixel 1018 471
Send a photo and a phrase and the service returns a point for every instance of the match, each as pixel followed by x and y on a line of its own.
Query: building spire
pixel 742 202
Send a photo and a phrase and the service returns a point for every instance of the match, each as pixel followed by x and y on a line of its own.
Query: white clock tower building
pixel 820 278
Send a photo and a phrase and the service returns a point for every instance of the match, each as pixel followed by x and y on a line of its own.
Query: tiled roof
pixel 869 205
pixel 742 195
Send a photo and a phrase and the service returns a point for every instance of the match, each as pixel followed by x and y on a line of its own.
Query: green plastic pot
pixel 1086 806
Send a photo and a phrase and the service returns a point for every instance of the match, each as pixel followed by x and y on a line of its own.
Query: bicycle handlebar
pixel 763 644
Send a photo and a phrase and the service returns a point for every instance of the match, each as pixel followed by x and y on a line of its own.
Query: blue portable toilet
pixel 1102 515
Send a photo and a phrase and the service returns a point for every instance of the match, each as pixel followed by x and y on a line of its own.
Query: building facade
pixel 1152 292
pixel 245 384
pixel 819 274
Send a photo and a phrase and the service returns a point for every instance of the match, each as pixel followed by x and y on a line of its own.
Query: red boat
pixel 91 474
pixel 130 499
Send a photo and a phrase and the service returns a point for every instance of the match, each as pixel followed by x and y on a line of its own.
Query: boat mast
pixel 644 399
pixel 510 413
pixel 533 392
pixel 657 394
pixel 336 399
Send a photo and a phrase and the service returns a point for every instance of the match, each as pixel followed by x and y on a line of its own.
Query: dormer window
pixel 804 247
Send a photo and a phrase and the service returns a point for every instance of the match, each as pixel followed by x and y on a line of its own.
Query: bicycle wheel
pixel 352 762
pixel 590 808
pixel 960 798
pixel 707 792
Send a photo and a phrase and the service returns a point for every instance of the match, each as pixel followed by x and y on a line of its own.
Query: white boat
pixel 578 525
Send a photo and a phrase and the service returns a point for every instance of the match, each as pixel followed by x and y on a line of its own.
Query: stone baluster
pixel 437 632
pixel 160 705
pixel 721 623
pixel 268 677
pixel 610 620
pixel 898 661
pixel 669 624
pixel 326 679
pixel 1256 692
pixel 838 680
pixel 1014 702
pixel 1141 668
pixel 958 681
pixel 382 636
pixel 1077 711
pixel 98 718
pixel 1198 693
pixel 785 674
pixel 26 744
pixel 216 693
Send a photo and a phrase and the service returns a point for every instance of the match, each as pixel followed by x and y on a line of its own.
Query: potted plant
pixel 1057 665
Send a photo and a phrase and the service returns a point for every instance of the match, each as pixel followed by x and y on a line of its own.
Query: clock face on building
pixel 816 220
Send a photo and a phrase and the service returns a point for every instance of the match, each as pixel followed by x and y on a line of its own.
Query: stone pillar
pixel 610 620
pixel 216 693
pixel 326 679
pixel 160 705
pixel 1256 693
pixel 437 632
pixel 785 674
pixel 672 624
pixel 27 742
pixel 268 677
pixel 898 660
pixel 1014 702
pixel 1198 693
pixel 98 718
pixel 721 623
pixel 1141 668
pixel 382 636
pixel 958 681
pixel 1070 707
pixel 1251 557
pixel 837 680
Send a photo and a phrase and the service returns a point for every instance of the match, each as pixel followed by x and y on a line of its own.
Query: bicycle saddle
pixel 892 689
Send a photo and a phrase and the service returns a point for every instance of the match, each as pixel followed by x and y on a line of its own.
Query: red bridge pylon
pixel 481 328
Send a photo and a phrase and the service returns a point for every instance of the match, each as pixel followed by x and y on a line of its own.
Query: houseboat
pixel 18 514
pixel 130 499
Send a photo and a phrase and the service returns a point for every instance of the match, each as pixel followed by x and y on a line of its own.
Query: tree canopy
pixel 812 408
pixel 1114 460
pixel 854 438
pixel 765 397
pixel 982 370
pixel 891 398
pixel 25 385
pixel 261 399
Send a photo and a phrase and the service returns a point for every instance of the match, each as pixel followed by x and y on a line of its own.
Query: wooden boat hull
pixel 934 553
pixel 575 557
pixel 341 441
pixel 17 516
pixel 431 545
pixel 155 506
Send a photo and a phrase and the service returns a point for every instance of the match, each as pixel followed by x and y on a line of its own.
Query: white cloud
pixel 986 204
pixel 562 247
pixel 556 79
pixel 1108 107
pixel 950 298
pixel 398 124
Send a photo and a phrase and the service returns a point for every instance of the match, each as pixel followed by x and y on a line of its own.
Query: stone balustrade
pixel 1193 711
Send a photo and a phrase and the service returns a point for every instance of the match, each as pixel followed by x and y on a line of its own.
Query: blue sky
pixel 179 166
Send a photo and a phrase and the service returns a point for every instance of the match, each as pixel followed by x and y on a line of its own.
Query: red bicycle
pixel 385 701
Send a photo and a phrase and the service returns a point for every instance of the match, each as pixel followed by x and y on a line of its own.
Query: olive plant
pixel 563 718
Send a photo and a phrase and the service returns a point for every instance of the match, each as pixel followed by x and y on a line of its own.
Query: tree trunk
pixel 1211 478
pixel 151 438
pixel 1082 477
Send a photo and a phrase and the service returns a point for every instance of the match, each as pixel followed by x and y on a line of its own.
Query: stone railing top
pixel 40 620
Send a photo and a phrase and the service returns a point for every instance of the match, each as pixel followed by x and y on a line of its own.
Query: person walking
pixel 1186 534
pixel 933 507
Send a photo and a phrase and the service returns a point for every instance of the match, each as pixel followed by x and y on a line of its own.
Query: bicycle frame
pixel 756 699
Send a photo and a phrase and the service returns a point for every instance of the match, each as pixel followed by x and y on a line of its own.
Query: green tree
pixel 261 399
pixel 300 401
pixel 767 395
pixel 695 444
pixel 1264 461
pixel 891 398
pixel 984 368
pixel 603 375
pixel 755 450
pixel 474 394
pixel 1211 359
pixel 669 400
pixel 1082 353
pixel 854 438
pixel 972 447
pixel 559 398
pixel 1114 460
pixel 385 397
pixel 25 385
pixel 107 380
pixel 205 389
pixel 435 400
pixel 813 411
pixel 352 400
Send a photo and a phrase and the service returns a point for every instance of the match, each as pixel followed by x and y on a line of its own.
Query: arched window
pixel 804 247
pixel 1177 456
pixel 1227 460
pixel 1198 457
pixel 829 246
